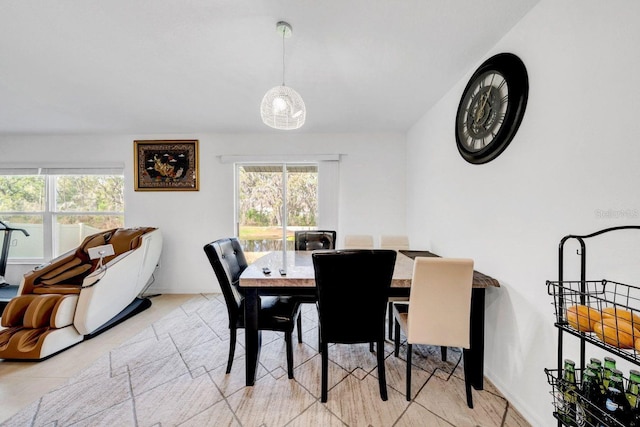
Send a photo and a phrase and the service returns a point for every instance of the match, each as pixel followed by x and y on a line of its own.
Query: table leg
pixel 252 335
pixel 477 338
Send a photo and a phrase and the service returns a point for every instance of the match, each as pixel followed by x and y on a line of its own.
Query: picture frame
pixel 166 165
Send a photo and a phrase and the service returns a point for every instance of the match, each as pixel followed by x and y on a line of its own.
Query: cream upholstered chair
pixel 439 310
pixel 396 242
pixel 358 241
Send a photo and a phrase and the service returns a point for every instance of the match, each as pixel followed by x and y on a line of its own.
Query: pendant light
pixel 283 107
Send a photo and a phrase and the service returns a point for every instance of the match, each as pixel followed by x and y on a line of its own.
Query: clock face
pixel 491 108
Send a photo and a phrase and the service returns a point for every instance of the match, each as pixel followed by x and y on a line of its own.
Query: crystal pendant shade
pixel 283 108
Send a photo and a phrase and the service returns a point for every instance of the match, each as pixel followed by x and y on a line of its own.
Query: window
pixel 274 200
pixel 58 208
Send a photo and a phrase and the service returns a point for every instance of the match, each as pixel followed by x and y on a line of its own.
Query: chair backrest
pixel 311 240
pixel 72 267
pixel 352 288
pixel 440 302
pixel 358 241
pixel 398 242
pixel 228 261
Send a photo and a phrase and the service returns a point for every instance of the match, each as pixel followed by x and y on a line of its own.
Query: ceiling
pixel 190 66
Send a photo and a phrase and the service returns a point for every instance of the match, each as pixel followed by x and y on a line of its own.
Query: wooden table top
pixel 299 271
pixel 480 280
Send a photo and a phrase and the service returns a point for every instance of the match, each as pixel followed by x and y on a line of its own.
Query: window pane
pixel 260 208
pixel 260 204
pixel 302 197
pixel 21 246
pixel 22 193
pixel 90 193
pixel 72 229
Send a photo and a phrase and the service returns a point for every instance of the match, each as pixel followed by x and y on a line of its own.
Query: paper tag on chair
pixel 100 251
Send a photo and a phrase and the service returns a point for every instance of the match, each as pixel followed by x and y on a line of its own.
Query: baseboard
pixel 189 290
pixel 522 407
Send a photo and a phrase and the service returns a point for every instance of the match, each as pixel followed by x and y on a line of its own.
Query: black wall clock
pixel 491 108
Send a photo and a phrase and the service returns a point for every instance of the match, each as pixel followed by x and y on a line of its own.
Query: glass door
pixel 272 202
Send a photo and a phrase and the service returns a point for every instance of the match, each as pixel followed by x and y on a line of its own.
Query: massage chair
pixel 80 294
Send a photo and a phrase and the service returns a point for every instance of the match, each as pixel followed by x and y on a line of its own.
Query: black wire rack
pixel 584 412
pixel 601 312
pixel 578 307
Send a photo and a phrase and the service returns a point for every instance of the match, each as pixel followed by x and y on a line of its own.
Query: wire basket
pixel 584 412
pixel 603 312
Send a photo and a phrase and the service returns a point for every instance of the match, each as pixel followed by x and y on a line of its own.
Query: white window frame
pixel 284 166
pixel 50 213
pixel 328 181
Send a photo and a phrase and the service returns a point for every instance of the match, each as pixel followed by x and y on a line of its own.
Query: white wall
pixel 371 189
pixel 575 156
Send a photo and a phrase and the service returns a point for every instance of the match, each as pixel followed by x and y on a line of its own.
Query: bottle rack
pixel 587 413
pixel 600 296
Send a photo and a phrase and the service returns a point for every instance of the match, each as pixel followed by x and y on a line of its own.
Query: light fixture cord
pixel 283 33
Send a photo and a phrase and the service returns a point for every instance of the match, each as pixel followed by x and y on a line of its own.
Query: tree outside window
pixel 58 211
pixel 261 201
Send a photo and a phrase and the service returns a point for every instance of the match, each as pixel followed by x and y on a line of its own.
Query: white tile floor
pixel 166 366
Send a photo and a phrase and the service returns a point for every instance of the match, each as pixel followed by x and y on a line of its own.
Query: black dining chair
pixel 311 240
pixel 276 313
pixel 353 288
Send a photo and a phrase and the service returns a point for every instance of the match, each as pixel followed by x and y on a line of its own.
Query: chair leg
pixel 396 346
pixel 325 374
pixel 390 315
pixel 467 376
pixel 287 340
pixel 371 347
pixel 409 352
pixel 443 353
pixel 232 348
pixel 300 328
pixel 382 378
pixel 319 332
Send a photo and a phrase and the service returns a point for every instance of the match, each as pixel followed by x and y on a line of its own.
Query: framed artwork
pixel 170 165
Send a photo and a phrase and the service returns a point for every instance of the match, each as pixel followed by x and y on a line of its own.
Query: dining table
pixel 292 273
